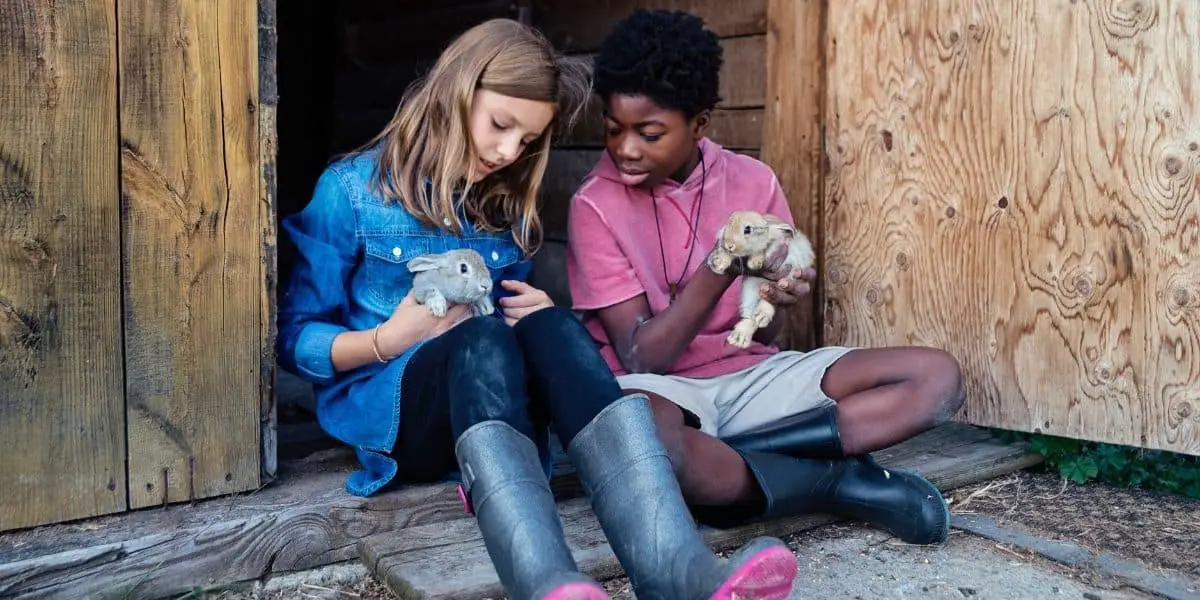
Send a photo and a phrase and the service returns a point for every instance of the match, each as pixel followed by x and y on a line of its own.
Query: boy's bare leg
pixel 887 395
pixel 710 473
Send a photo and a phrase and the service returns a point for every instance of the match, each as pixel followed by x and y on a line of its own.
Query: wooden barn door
pixel 135 274
pixel 1018 181
pixel 192 223
pixel 62 416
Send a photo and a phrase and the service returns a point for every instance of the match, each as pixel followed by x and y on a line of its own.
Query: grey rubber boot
pixel 511 499
pixel 627 473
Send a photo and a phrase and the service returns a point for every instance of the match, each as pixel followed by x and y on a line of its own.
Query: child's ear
pixel 700 123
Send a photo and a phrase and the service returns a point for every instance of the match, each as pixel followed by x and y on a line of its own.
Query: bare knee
pixel 944 385
pixel 668 420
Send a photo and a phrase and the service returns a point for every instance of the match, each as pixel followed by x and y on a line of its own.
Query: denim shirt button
pixel 446 220
pixel 397 252
pixel 495 255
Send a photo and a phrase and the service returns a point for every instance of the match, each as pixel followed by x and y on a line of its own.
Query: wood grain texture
pixel 193 228
pixel 792 141
pixel 61 405
pixel 450 561
pixel 268 144
pixel 1018 182
pixel 306 520
pixel 578 27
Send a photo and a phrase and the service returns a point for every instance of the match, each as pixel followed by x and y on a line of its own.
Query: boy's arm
pixel 603 280
pixel 648 343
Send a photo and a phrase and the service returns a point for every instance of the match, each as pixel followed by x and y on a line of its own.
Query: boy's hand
pixel 527 299
pixel 787 286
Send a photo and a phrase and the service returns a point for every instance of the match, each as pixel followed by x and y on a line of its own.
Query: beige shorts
pixel 784 384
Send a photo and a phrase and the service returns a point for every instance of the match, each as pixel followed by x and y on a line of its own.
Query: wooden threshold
pixel 305 519
pixel 449 560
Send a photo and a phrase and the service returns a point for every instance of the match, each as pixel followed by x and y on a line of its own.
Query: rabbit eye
pixel 746 230
pixel 463 268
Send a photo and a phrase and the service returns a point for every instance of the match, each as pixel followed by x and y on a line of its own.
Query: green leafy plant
pixel 1082 461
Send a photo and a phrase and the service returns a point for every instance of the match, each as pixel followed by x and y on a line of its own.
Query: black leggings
pixel 543 371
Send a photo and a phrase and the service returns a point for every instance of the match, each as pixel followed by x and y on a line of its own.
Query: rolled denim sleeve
pixel 316 297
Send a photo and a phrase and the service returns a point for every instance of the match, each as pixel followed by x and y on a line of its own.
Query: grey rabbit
pixel 457 276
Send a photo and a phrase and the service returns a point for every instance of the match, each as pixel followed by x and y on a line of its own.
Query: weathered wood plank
pixel 1017 182
pixel 193 230
pixel 795 85
pixel 304 520
pixel 449 560
pixel 735 129
pixel 578 27
pixel 61 400
pixel 268 143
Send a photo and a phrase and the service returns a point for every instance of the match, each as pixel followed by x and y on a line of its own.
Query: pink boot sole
pixel 767 575
pixel 578 591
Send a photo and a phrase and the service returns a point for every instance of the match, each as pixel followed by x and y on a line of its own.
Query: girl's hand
pixel 411 323
pixel 787 286
pixel 527 300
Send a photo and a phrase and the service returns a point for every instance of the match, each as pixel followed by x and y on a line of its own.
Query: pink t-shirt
pixel 614 248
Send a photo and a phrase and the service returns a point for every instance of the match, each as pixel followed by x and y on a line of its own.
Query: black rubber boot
pixel 510 496
pixel 626 471
pixel 903 504
pixel 810 434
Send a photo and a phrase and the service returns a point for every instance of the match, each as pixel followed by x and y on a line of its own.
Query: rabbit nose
pixel 730 246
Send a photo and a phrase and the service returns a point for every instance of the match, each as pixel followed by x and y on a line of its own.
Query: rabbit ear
pixel 423 263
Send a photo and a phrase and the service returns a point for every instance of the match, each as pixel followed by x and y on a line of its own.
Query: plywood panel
pixel 795 88
pixel 61 409
pixel 581 26
pixel 1018 181
pixel 192 210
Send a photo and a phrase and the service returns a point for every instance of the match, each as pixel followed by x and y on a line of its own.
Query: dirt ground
pixel 1160 530
pixel 851 561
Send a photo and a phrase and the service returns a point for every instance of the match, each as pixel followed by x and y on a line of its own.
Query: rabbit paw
pixel 720 261
pixel 756 262
pixel 763 314
pixel 484 306
pixel 742 333
pixel 437 305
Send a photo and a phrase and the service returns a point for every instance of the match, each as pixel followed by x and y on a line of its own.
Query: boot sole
pixel 577 590
pixel 767 575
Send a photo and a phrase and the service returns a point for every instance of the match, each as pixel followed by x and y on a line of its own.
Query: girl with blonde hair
pixel 424 399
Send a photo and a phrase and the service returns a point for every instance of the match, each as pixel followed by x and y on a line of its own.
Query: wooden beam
pixel 62 413
pixel 268 138
pixel 450 561
pixel 792 137
pixel 193 217
pixel 580 26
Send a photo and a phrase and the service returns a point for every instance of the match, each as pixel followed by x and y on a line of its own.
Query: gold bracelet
pixel 375 343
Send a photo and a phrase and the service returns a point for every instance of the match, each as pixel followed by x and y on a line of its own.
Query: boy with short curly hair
pixel 754 432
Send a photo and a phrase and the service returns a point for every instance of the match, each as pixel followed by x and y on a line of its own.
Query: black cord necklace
pixel 695 224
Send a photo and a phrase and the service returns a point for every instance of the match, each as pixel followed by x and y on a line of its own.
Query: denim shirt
pixel 352 251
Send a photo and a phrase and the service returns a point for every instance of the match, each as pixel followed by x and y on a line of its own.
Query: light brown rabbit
pixel 752 236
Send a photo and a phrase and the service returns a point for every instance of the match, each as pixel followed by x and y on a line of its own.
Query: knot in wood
pixel 950 212
pixel 873 295
pixel 1003 203
pixel 902 260
pixel 1181 296
pixel 1184 410
pixel 1173 165
pixel 1083 285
